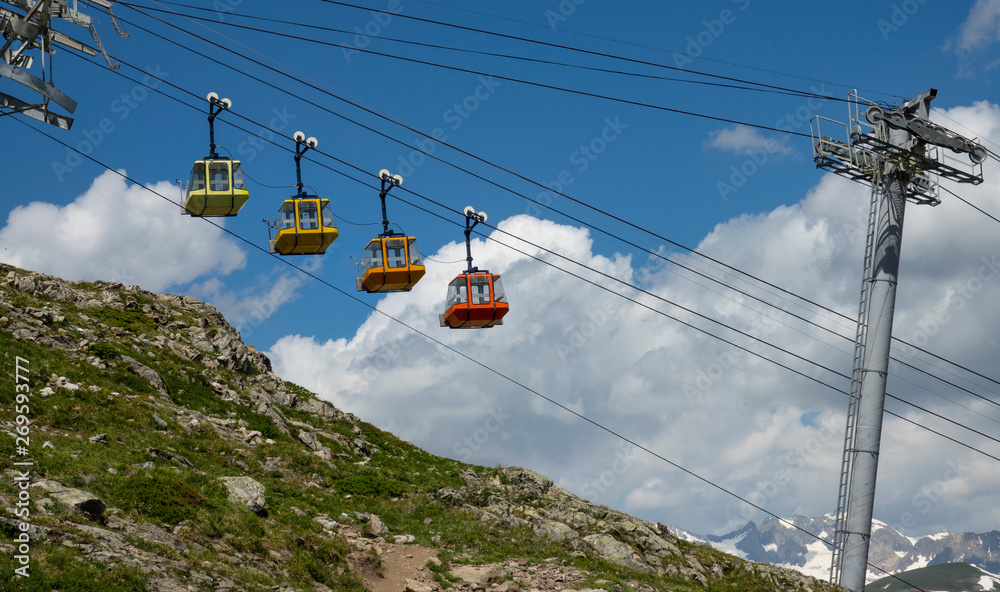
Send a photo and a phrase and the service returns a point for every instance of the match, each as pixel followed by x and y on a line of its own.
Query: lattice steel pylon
pixel 33 30
pixel 898 151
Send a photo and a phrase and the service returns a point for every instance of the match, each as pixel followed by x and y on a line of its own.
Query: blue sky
pixel 676 175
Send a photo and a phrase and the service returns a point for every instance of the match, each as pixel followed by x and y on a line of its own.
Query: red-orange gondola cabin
pixel 476 300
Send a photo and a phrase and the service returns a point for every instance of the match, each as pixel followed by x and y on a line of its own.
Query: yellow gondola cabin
pixel 305 227
pixel 216 188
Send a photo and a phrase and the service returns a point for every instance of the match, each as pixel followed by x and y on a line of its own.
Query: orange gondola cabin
pixel 391 262
pixel 476 299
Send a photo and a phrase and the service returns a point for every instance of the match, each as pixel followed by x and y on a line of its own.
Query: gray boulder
pixel 609 548
pixel 246 491
pixel 86 503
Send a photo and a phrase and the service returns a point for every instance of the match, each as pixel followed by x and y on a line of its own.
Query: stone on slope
pixel 86 503
pixel 246 491
pixel 609 548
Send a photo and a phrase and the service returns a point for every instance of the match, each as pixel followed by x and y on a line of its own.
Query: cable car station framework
pixel 33 30
pixel 899 152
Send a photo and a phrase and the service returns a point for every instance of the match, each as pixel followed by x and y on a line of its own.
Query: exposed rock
pixel 169 456
pixel 84 502
pixel 557 531
pixel 615 551
pixel 479 575
pixel 147 373
pixel 154 534
pixel 309 439
pixel 246 491
pixel 99 439
pixel 376 526
pixel 528 482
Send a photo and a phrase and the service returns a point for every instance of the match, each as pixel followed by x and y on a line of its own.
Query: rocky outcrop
pixel 521 497
pixel 199 413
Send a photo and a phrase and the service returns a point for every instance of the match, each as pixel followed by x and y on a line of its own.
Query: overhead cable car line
pixel 452 349
pixel 971 205
pixel 465 70
pixel 802 374
pixel 846 317
pixel 506 189
pixel 577 49
pixel 793 93
pixel 432 201
pixel 660 49
pixel 344 162
pixel 434 157
pixel 923 388
pixel 641 304
pixel 569 48
pixel 982 138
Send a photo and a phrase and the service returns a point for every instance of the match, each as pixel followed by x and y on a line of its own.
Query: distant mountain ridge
pixel 779 544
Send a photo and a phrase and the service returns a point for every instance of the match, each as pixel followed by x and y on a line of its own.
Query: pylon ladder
pixel 840 524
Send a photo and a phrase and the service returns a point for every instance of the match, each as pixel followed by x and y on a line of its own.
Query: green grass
pixel 159 498
pixel 255 552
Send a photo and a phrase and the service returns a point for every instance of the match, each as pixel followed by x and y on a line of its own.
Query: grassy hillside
pixel 138 410
pixel 948 577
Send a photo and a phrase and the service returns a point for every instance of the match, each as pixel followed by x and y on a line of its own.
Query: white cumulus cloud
pixel 682 398
pixel 982 27
pixel 119 232
pixel 742 139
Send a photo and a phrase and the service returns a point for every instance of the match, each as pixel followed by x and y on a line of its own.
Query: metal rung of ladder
pixel 844 489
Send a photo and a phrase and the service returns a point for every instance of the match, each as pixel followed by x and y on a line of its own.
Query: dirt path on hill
pixel 403 568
